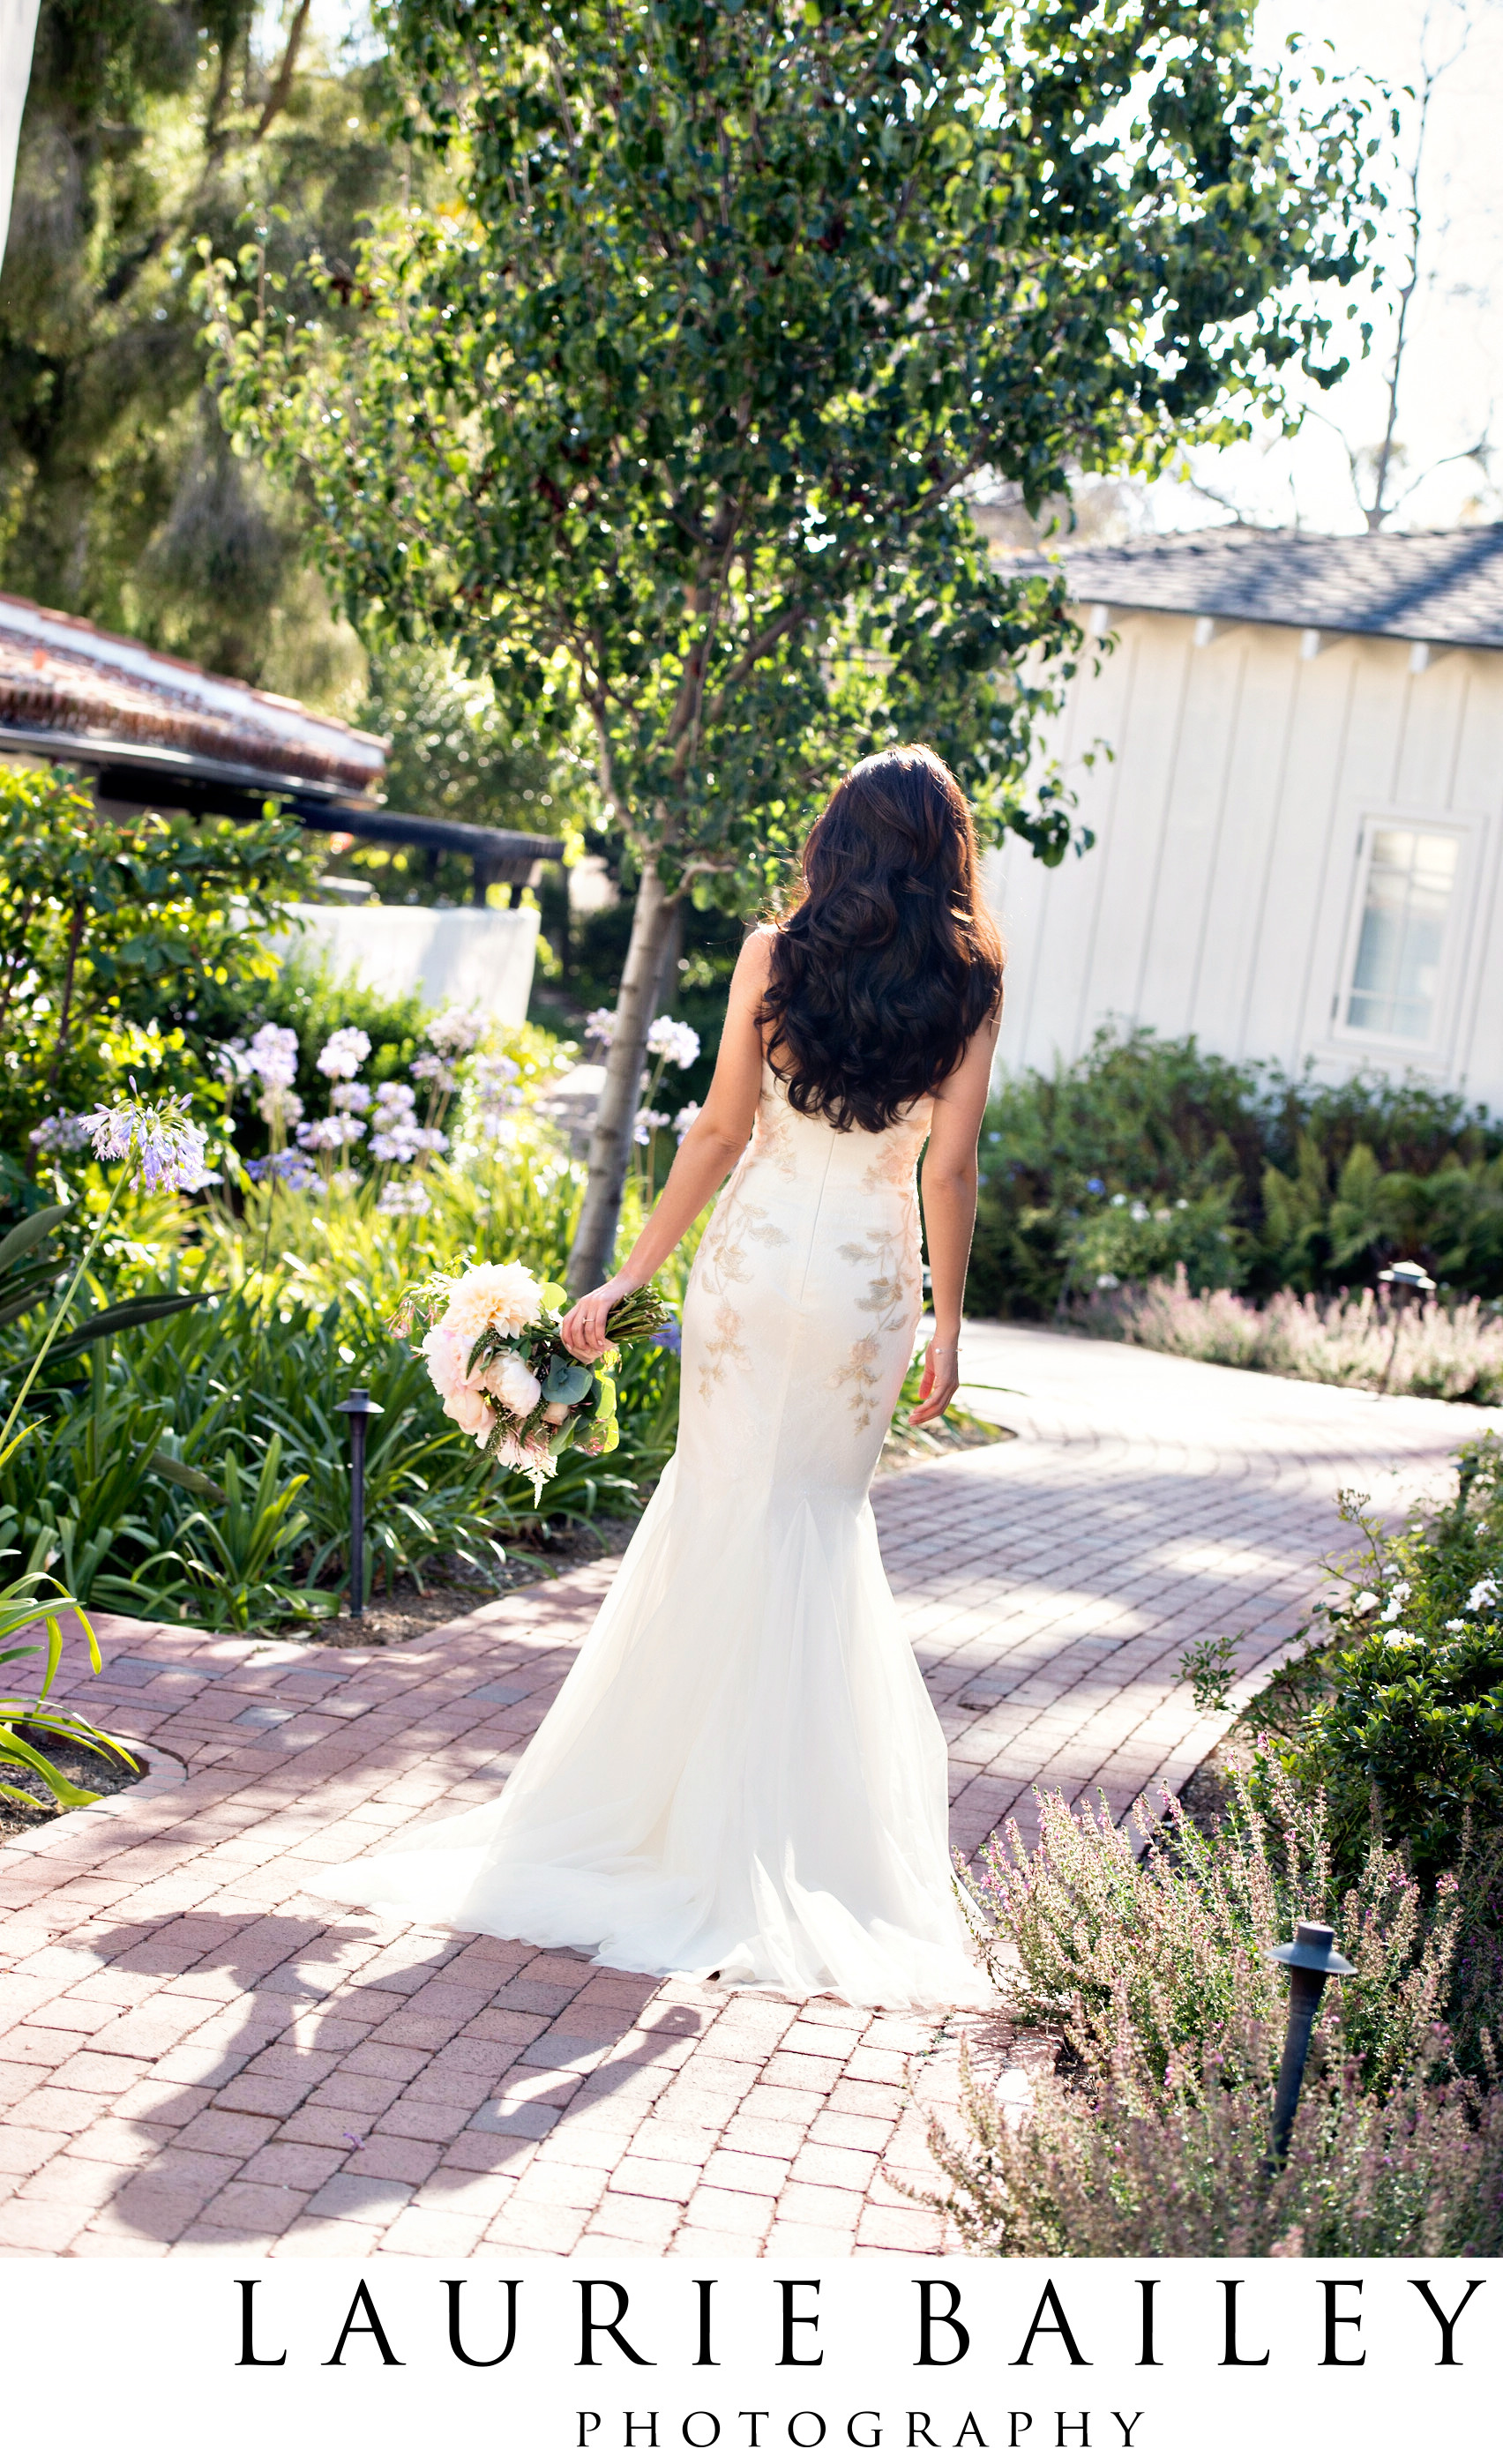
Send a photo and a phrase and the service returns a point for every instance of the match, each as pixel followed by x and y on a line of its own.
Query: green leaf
pixel 186 1476
pixel 128 1314
pixel 569 1381
pixel 26 1234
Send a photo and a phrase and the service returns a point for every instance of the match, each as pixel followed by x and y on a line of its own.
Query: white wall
pixel 479 957
pixel 1221 896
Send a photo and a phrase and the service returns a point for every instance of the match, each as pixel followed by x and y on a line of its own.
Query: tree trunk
pixel 610 1143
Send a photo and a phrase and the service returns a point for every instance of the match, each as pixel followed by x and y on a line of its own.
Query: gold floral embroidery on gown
pixel 744 1771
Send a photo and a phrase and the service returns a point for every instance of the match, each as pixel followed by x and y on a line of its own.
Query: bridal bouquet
pixel 494 1354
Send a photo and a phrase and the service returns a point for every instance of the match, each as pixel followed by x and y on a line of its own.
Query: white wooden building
pixel 1299 836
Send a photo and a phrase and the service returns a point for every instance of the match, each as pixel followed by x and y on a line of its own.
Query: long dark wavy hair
pixel 888 962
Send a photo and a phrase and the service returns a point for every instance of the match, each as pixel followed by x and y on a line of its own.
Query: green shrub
pixel 118 938
pixel 1399 1698
pixel 1248 1179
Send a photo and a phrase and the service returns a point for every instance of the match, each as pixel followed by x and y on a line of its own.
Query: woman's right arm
pixel 706 1154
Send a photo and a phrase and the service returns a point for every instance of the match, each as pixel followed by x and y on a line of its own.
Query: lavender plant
pixel 1452 1352
pixel 1152 1977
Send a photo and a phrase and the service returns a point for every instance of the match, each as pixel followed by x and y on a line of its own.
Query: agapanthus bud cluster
pixel 345 1052
pixel 646 1126
pixel 337 1132
pixel 456 1030
pixel 674 1041
pixel 62 1133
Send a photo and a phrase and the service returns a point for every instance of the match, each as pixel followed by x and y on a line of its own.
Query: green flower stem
pixel 80 1271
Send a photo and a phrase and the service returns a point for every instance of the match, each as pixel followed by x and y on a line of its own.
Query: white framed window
pixel 1407 885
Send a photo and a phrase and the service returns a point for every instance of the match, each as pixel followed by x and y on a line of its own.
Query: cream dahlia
pixel 507 1298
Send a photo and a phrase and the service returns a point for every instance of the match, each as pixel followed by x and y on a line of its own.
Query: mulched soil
pixel 104 1773
pixel 400 1616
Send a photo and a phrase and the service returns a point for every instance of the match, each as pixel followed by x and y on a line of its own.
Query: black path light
pixel 1309 1958
pixel 1401 1282
pixel 359 1409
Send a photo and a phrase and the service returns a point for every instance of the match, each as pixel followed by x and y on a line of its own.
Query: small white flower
pixel 393 1097
pixel 601 1025
pixel 646 1124
pixel 345 1052
pixel 1483 1595
pixel 1395 1605
pixel 279 1103
pixel 272 1056
pixel 456 1030
pixel 1365 1604
pixel 1399 1636
pixel 403 1198
pixel 1456 1625
pixel 684 1120
pixel 674 1039
pixel 349 1097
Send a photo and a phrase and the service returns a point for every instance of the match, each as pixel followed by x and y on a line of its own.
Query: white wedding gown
pixel 742 1771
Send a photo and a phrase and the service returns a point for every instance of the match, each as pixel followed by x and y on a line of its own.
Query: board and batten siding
pixel 1222 897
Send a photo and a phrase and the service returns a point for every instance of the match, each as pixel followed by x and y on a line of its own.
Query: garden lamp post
pixel 1405 1276
pixel 1309 1958
pixel 358 1408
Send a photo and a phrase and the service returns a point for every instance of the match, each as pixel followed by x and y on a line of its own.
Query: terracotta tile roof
pixel 1441 586
pixel 58 672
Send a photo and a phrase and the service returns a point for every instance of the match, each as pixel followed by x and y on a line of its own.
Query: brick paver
pixel 195 2054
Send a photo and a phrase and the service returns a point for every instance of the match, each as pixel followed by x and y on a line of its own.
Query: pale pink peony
pixel 467 1405
pixel 506 1297
pixel 512 1383
pixel 446 1359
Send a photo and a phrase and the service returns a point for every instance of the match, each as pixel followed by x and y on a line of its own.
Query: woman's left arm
pixel 949 1178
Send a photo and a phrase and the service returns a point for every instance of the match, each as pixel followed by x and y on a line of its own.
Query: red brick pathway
pixel 193 2053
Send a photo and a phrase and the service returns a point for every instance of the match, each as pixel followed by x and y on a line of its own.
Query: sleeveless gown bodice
pixel 742 1771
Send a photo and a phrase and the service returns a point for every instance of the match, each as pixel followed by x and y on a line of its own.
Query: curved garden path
pixel 194 2055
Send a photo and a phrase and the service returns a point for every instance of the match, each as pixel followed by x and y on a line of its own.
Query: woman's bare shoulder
pixel 756 957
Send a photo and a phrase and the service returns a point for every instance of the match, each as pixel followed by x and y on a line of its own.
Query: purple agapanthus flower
pixel 670 1337
pixel 159 1144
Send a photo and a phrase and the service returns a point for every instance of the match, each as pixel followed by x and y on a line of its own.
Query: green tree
pixel 669 411
pixel 147 122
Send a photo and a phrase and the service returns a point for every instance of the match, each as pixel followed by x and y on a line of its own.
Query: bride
pixel 742 1773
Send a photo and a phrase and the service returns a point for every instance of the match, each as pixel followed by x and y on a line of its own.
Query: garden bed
pixel 400 1616
pixel 103 1772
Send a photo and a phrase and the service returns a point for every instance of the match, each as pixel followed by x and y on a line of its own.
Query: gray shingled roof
pixel 1415 585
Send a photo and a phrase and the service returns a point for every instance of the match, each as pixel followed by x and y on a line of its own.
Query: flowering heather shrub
pixel 1135 2167
pixel 1171 1951
pixel 1153 2138
pixel 1454 1354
